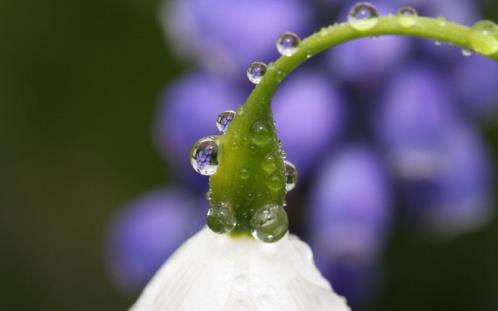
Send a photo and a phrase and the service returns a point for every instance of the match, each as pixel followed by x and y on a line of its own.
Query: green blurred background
pixel 79 81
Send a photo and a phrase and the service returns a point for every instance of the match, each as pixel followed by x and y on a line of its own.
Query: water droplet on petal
pixel 204 155
pixel 363 16
pixel 407 16
pixel 288 43
pixel 290 176
pixel 269 165
pixel 437 43
pixel 261 135
pixel 244 173
pixel 224 119
pixel 484 37
pixel 269 224
pixel 221 218
pixel 275 182
pixel 466 52
pixel 256 71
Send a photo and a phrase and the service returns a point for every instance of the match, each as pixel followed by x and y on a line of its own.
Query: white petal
pixel 212 272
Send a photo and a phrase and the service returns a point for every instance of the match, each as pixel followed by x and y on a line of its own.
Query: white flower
pixel 213 272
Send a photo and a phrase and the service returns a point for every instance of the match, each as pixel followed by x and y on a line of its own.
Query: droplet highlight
pixel 466 52
pixel 275 182
pixel 204 155
pixel 221 218
pixel 224 119
pixel 256 71
pixel 290 176
pixel 484 37
pixel 269 224
pixel 363 16
pixel 288 43
pixel 407 16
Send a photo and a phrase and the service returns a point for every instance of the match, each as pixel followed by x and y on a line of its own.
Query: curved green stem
pixel 243 179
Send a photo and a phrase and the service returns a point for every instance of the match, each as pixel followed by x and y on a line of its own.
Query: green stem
pixel 241 179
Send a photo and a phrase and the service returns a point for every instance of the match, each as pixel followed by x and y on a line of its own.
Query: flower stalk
pixel 242 180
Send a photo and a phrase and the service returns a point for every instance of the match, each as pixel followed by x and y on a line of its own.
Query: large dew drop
pixel 363 16
pixel 204 155
pixel 221 218
pixel 288 43
pixel 269 224
pixel 256 71
pixel 224 119
pixel 484 37
pixel 290 176
pixel 407 16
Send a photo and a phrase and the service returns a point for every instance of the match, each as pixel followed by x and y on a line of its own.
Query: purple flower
pixel 366 60
pixel 309 113
pixel 458 197
pixel 350 207
pixel 145 232
pixel 187 112
pixel 413 119
pixel 475 80
pixel 225 36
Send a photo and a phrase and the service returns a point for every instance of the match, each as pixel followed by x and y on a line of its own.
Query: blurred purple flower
pixel 458 197
pixel 309 113
pixel 225 36
pixel 364 61
pixel 145 232
pixel 475 80
pixel 187 112
pixel 350 206
pixel 413 119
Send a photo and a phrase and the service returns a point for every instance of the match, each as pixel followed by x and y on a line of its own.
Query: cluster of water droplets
pixel 268 223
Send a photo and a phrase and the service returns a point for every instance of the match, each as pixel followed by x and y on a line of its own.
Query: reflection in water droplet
pixel 224 119
pixel 221 218
pixel 288 43
pixel 484 37
pixel 204 155
pixel 290 176
pixel 256 71
pixel 269 224
pixel 363 16
pixel 407 16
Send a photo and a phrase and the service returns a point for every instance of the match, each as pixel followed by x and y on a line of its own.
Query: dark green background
pixel 78 87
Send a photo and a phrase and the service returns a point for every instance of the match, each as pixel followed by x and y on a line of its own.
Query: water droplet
pixel 363 16
pixel 290 176
pixel 288 43
pixel 407 16
pixel 269 164
pixel 466 52
pixel 256 71
pixel 224 119
pixel 442 21
pixel 204 155
pixel 269 224
pixel 275 182
pixel 261 135
pixel 221 218
pixel 437 43
pixel 244 173
pixel 309 53
pixel 484 37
